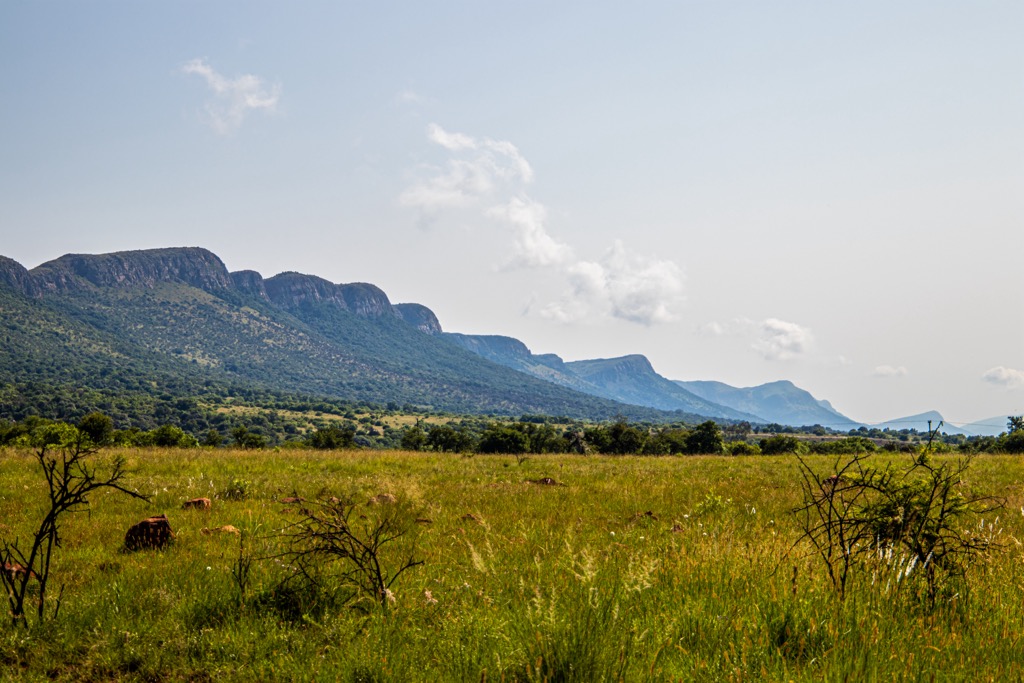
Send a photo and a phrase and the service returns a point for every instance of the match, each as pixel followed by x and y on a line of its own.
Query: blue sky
pixel 824 192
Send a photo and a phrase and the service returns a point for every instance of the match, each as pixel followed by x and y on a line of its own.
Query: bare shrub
pixel 334 541
pixel 914 522
pixel 63 453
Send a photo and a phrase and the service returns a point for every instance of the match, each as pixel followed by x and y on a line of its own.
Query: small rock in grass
pixel 152 532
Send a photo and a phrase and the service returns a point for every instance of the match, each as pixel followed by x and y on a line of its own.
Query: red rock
pixel 152 532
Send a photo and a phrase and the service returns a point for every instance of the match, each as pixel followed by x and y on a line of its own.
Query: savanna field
pixel 549 568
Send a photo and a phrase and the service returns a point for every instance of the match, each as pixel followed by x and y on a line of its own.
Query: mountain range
pixel 176 323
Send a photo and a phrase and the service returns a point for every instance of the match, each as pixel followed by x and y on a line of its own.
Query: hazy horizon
pixel 742 193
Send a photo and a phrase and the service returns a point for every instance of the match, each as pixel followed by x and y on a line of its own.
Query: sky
pixel 825 192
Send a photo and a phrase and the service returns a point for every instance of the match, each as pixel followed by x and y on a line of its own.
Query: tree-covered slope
pixel 173 323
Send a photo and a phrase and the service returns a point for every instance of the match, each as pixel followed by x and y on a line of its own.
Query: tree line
pixel 528 435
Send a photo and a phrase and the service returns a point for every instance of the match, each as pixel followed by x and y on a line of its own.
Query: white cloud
pixel 534 246
pixel 491 176
pixel 479 173
pixel 781 340
pixel 233 98
pixel 622 285
pixel 452 141
pixel 889 371
pixel 1007 377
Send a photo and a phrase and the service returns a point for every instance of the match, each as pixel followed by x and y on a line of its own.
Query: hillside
pixel 174 323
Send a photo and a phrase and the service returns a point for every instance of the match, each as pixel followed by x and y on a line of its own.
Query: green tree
pixel 332 438
pixel 1014 440
pixel 172 436
pixel 98 427
pixel 624 439
pixel 213 439
pixel 414 439
pixel 705 439
pixel 447 439
pixel 503 439
pixel 246 439
pixel 780 444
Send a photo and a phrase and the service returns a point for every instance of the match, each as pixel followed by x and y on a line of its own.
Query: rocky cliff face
pixel 613 369
pixel 15 276
pixel 194 266
pixel 420 317
pixel 507 351
pixel 250 282
pixel 367 300
pixel 293 291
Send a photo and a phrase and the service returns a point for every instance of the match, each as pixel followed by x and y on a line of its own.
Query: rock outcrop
pixel 295 292
pixel 420 317
pixel 15 276
pixel 250 282
pixel 191 265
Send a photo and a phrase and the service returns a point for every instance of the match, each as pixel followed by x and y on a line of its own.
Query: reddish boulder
pixel 152 532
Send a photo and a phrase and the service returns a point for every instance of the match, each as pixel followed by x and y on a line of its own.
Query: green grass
pixel 555 583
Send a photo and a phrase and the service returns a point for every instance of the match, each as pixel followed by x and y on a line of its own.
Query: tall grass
pixel 635 569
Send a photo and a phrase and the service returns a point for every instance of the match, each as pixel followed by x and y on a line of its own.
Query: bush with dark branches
pixel 917 521
pixel 363 549
pixel 64 455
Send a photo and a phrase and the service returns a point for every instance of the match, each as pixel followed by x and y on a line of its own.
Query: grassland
pixel 635 569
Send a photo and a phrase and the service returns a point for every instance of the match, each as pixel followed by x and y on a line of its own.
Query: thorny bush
pixel 917 522
pixel 363 549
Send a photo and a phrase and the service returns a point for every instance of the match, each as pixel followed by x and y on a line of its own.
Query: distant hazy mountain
pixel 780 402
pixel 632 379
pixel 629 379
pixel 992 426
pixel 920 423
pixel 514 354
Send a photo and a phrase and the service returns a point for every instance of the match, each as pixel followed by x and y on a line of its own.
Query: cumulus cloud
pixel 621 285
pixel 491 177
pixel 478 173
pixel 1007 377
pixel 233 98
pixel 889 371
pixel 781 340
pixel 533 245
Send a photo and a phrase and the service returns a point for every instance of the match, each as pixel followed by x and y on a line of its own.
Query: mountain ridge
pixel 179 311
pixel 304 333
